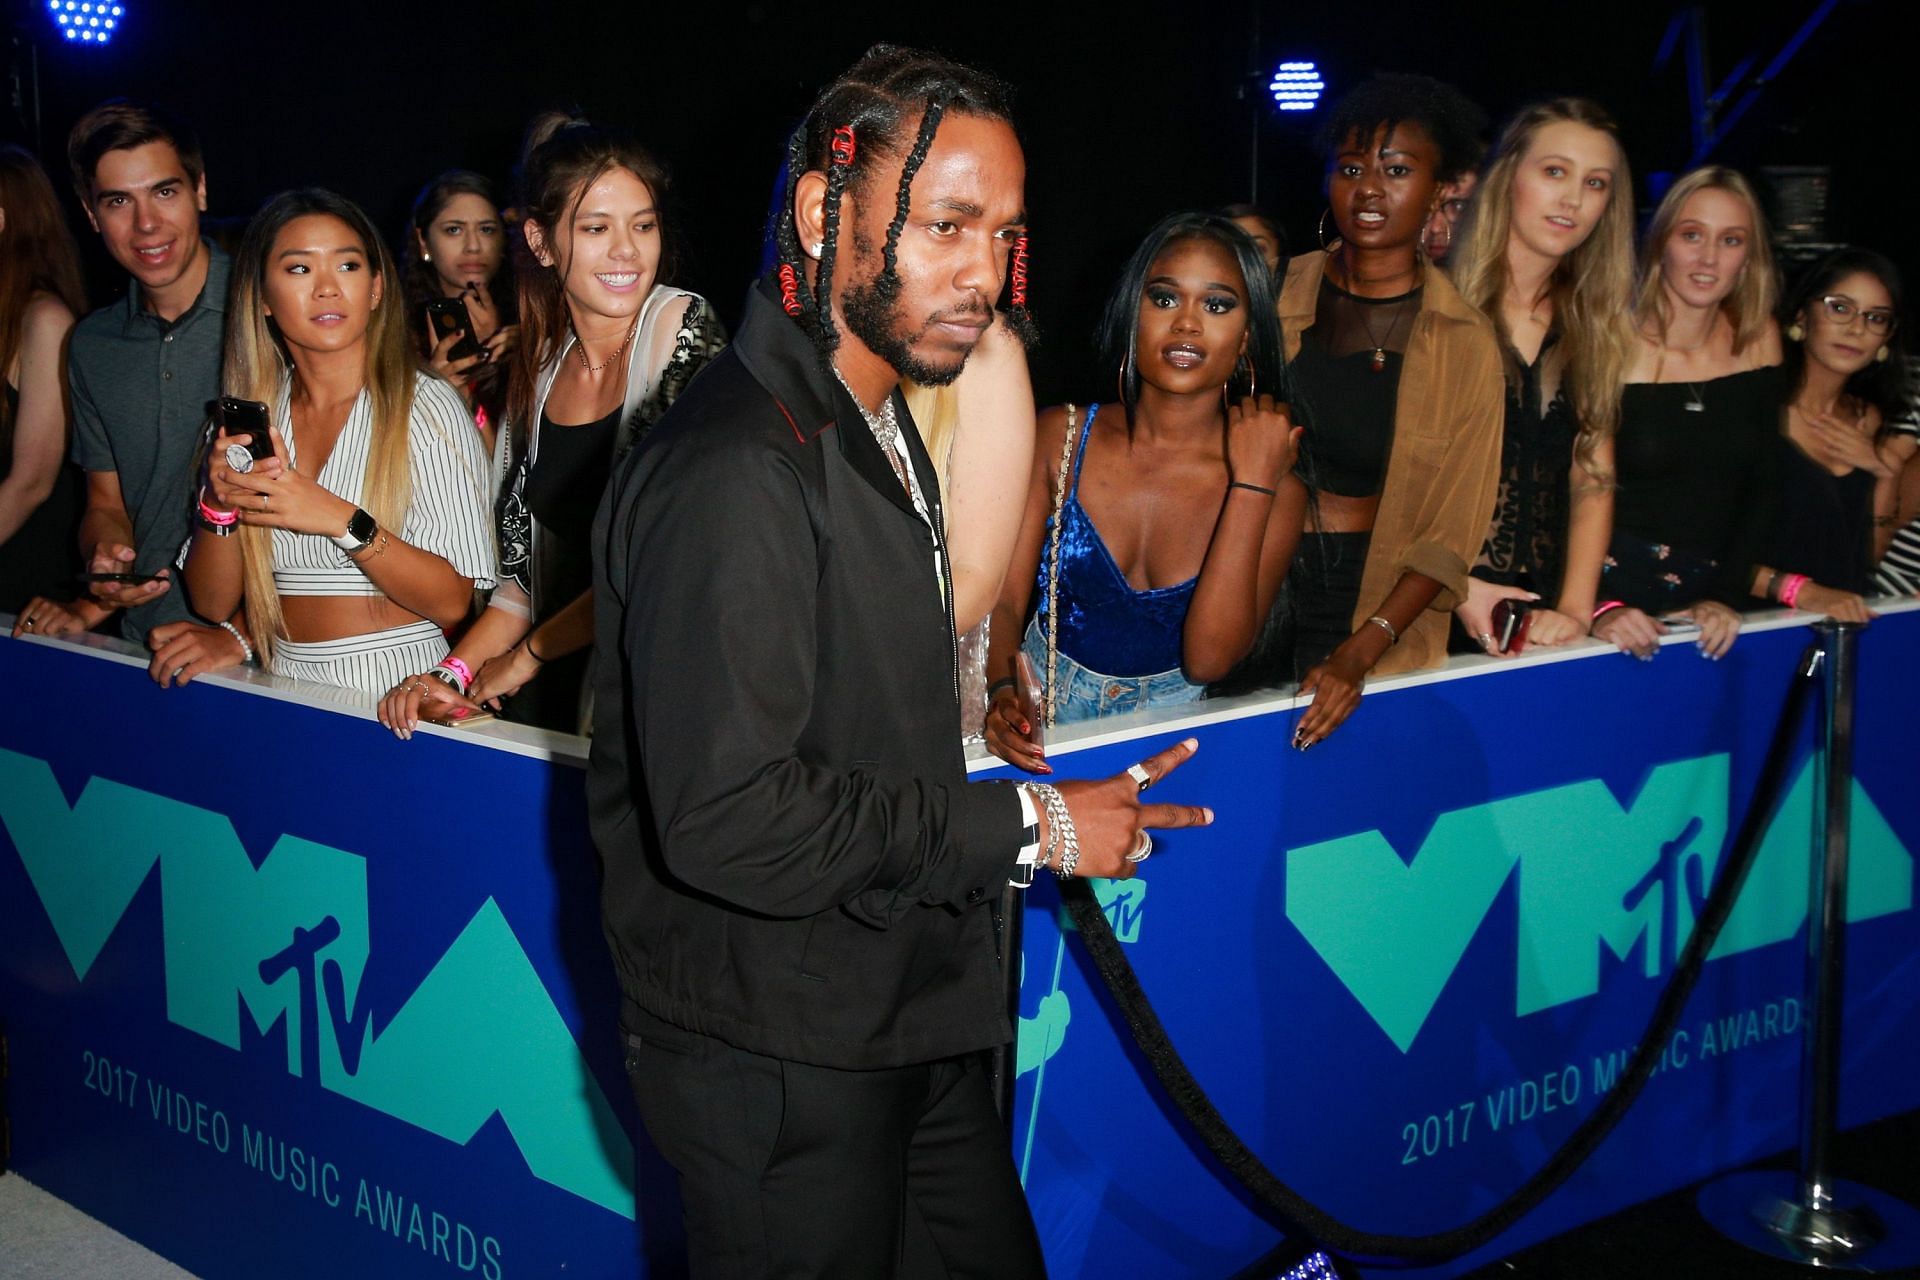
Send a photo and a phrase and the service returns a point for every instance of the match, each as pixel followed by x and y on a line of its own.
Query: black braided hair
pixel 875 99
pixel 1458 127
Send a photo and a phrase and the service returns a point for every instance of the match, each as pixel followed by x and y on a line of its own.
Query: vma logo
pixel 291 941
pixel 1593 873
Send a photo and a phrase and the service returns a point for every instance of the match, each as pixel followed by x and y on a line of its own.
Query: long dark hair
pixel 37 253
pixel 564 156
pixel 1266 358
pixel 866 111
pixel 1883 383
pixel 422 284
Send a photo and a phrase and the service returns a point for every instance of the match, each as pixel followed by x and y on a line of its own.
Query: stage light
pixel 1297 86
pixel 91 22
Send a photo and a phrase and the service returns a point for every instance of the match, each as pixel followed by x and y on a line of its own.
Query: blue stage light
pixel 86 21
pixel 1297 86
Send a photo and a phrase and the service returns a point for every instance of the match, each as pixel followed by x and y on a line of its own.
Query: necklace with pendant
pixel 1696 403
pixel 1378 363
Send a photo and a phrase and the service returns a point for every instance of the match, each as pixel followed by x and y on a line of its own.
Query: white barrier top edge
pixel 568 749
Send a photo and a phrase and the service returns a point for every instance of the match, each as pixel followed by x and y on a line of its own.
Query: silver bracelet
pixel 1393 637
pixel 246 650
pixel 1061 834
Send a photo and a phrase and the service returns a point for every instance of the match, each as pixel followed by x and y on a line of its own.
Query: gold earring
pixel 425 256
pixel 1795 333
pixel 1880 357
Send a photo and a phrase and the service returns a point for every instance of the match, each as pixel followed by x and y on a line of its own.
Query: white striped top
pixel 449 516
pixel 1899 573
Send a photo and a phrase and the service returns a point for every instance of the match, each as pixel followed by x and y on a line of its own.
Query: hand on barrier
pixel 1630 631
pixel 1719 627
pixel 43 617
pixel 183 650
pixel 1552 627
pixel 1335 685
pixel 400 709
pixel 1111 822
pixel 1841 606
pixel 1010 735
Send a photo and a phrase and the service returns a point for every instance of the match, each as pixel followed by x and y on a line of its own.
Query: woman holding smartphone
pixel 358 531
pixel 1158 530
pixel 1548 255
pixel 606 349
pixel 1695 455
pixel 455 250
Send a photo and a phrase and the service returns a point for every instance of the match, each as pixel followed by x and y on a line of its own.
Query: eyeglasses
pixel 1841 310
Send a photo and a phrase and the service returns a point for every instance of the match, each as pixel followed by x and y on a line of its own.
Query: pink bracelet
pixel 1605 608
pixel 1790 589
pixel 458 670
pixel 213 515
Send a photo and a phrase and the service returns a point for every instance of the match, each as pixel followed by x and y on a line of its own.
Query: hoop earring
pixel 1320 230
pixel 1125 376
pixel 1797 334
pixel 1252 375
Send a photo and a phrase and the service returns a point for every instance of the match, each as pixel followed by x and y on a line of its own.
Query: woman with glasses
pixel 1839 470
pixel 1694 456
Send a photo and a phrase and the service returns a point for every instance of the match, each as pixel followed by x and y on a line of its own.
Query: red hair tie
pixel 789 289
pixel 1020 271
pixel 842 145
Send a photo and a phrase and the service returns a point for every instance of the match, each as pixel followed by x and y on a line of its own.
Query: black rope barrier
pixel 1299 1216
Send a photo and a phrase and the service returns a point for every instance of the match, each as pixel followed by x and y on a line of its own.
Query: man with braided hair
pixel 799 879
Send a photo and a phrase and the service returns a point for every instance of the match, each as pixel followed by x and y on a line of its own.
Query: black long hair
pixel 420 280
pixel 1266 358
pixel 1883 383
pixel 858 117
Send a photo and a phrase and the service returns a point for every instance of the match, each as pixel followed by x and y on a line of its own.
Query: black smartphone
pixel 246 418
pixel 449 315
pixel 123 579
pixel 1510 619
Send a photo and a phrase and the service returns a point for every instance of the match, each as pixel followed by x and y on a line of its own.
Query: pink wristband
pixel 458 670
pixel 213 515
pixel 1608 607
pixel 1790 589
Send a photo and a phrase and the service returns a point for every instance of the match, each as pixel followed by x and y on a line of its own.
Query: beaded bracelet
pixel 246 650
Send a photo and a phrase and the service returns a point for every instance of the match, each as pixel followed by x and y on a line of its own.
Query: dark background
pixel 1129 112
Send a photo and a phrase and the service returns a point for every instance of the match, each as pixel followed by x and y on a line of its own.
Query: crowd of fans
pixel 1472 418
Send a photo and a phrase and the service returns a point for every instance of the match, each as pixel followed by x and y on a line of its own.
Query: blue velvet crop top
pixel 1106 625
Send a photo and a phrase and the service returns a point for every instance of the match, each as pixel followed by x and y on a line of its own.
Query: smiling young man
pixel 141 372
pixel 798 875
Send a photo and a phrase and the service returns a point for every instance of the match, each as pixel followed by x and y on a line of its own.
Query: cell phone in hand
pixel 1026 684
pixel 447 316
pixel 1678 623
pixel 123 579
pixel 453 716
pixel 1510 621
pixel 245 418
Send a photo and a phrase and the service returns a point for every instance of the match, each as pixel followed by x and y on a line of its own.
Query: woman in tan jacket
pixel 1400 387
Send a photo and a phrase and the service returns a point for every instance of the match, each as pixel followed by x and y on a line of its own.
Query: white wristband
pixel 246 650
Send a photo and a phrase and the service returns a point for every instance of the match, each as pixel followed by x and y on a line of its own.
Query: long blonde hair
pixel 1591 287
pixel 936 411
pixel 257 362
pixel 1750 306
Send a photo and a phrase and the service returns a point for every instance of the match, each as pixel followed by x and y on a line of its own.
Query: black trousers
pixel 789 1169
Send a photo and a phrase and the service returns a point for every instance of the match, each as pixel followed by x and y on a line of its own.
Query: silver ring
pixel 27 625
pixel 1138 772
pixel 1142 848
pixel 1486 639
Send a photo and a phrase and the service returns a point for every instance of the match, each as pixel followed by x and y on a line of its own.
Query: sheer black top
pixel 1347 378
pixel 1527 546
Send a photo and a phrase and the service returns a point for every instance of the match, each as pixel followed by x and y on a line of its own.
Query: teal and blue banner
pixel 1406 963
pixel 285 996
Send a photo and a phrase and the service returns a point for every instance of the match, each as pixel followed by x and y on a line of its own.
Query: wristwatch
pixel 361 529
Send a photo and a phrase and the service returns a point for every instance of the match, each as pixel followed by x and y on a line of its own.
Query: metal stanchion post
pixel 1809 1216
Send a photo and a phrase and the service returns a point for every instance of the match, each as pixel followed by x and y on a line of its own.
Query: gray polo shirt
pixel 141 389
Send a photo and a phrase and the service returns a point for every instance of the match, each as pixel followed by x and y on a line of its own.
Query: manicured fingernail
pixel 1025 727
pixel 461 713
pixel 1209 814
pixel 1191 744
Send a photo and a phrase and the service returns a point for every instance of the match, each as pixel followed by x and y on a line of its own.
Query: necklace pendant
pixel 1379 359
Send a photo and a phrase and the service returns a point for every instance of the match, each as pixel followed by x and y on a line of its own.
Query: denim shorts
pixel 1085 694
